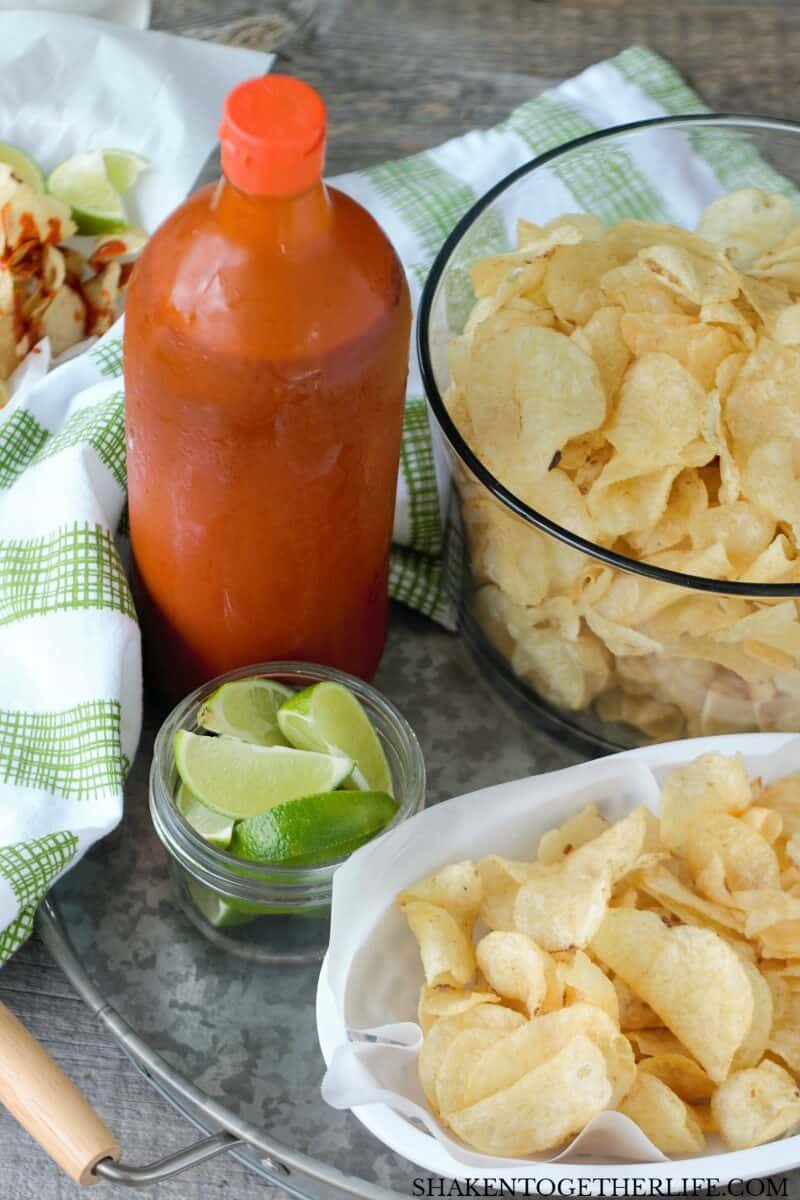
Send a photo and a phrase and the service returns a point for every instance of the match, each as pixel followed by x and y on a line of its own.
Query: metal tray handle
pixel 49 1106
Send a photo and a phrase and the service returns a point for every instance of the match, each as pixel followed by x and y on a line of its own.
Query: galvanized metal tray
pixel 233 1044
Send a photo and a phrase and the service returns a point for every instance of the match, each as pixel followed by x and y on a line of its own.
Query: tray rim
pixel 277 1163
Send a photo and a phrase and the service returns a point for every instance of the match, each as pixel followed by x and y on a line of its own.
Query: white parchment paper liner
pixel 373 970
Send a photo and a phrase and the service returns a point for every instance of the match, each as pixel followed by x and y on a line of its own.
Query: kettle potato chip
pixel 689 976
pixel 541 1109
pixel 446 951
pixel 756 1105
pixel 663 1116
pixel 445 1001
pixel 519 970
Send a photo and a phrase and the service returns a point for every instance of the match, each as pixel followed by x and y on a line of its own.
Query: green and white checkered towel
pixel 69 649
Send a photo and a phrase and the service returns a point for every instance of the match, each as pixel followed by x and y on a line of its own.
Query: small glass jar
pixel 256 911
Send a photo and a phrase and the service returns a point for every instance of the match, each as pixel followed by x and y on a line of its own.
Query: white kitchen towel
pixel 70 660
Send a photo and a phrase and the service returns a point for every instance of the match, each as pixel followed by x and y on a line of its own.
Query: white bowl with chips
pixel 370 980
pixel 620 589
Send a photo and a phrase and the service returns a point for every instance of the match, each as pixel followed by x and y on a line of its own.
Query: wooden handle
pixel 46 1103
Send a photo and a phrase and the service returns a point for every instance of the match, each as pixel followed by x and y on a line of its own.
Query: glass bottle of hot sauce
pixel 266 351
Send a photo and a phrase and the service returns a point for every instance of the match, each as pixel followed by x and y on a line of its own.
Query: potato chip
pixel 561 905
pixel 771 479
pixel 461 1052
pixel 442 1001
pixel 686 506
pixel 681 1074
pixel 746 223
pixel 456 888
pixel 690 977
pixel 680 900
pixel 744 529
pixel 700 348
pixel 662 1116
pixel 101 293
pixel 572 283
pixel 783 797
pixel 446 950
pixel 561 909
pixel 756 1106
pixel 705 1118
pixel 556 844
pixel 653 1043
pixel 660 410
pixel 615 850
pixel 541 1109
pixel 693 276
pixel 501 879
pixel 764 403
pixel 635 289
pixel 64 314
pixel 633 1012
pixel 526 1047
pixel 590 227
pixel 755 1043
pixel 519 971
pixel 620 507
pixel 601 338
pixel 748 859
pixel 437 1041
pixel 584 983
pixel 488 274
pixel 765 821
pixel 567 674
pixel 711 783
pixel 530 391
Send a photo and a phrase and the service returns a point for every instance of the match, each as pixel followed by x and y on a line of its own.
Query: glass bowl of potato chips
pixel 610 346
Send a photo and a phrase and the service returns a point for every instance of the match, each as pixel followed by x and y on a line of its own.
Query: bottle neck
pixel 284 220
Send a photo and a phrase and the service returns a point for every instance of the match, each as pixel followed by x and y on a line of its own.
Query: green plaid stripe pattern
pixel 416 463
pixel 417 580
pixel 619 191
pixel 24 442
pixel 21 439
pixel 30 867
pixel 107 356
pixel 427 198
pixel 75 568
pixel 735 163
pixel 17 932
pixel 101 426
pixel 75 752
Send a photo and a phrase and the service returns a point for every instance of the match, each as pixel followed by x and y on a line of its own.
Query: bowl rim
pixel 459 444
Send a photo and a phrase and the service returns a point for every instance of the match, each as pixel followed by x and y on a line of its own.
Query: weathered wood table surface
pixel 398 76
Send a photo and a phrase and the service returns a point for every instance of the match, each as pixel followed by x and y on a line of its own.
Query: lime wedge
pixel 123 168
pixel 216 830
pixel 221 912
pixel 238 779
pixel 82 183
pixel 246 709
pixel 313 829
pixel 328 718
pixel 23 166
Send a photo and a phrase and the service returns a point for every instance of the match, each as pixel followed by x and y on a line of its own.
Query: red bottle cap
pixel 273 136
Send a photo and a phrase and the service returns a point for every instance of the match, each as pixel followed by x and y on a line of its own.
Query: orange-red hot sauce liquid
pixel 266 349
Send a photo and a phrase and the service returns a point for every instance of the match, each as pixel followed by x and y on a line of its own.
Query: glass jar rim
pixel 461 447
pixel 260 882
